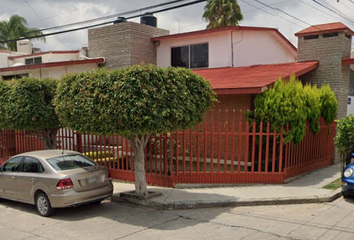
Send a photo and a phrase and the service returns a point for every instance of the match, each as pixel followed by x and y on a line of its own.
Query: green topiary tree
pixel 313 107
pixel 344 139
pixel 329 104
pixel 284 104
pixel 289 102
pixel 134 102
pixel 28 105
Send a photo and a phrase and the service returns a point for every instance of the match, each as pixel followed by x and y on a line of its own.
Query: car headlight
pixel 348 172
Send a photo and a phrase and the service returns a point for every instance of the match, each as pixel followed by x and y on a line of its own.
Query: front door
pixel 8 177
pixel 27 178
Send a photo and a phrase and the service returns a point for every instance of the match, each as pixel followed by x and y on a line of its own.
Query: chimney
pixel 328 44
pixel 124 44
pixel 24 46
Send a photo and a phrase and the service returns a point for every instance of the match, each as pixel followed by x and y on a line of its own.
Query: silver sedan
pixel 53 179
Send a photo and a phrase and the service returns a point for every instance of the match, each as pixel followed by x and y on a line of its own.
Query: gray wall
pixel 329 52
pixel 124 44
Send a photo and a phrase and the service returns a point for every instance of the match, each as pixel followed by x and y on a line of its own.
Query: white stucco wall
pixel 48 57
pixel 252 47
pixel 249 48
pixel 4 54
pixel 3 60
pixel 58 72
pixel 59 57
pixel 53 72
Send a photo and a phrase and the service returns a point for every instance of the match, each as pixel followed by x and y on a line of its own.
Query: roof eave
pixel 54 64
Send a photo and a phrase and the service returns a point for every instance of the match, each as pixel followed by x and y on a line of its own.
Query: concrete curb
pixel 230 203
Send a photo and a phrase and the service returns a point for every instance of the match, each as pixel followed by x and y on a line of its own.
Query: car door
pixel 8 176
pixel 27 178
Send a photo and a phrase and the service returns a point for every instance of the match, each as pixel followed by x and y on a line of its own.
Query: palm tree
pixel 222 13
pixel 15 28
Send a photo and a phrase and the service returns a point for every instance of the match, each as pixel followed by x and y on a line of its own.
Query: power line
pixel 115 15
pixel 44 24
pixel 343 15
pixel 328 8
pixel 277 9
pixel 105 23
pixel 319 9
pixel 67 12
pixel 278 3
pixel 271 13
pixel 21 6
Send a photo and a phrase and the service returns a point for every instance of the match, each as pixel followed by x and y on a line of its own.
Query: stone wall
pixel 124 44
pixel 329 52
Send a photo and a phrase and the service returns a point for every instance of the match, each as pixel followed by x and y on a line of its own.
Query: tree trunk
pixel 138 144
pixel 49 139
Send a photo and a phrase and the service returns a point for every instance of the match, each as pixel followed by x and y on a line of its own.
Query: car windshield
pixel 68 162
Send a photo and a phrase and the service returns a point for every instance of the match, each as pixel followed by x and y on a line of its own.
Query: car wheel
pixel 345 195
pixel 98 202
pixel 43 205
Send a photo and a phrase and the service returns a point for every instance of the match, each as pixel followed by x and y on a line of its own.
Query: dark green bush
pixel 289 103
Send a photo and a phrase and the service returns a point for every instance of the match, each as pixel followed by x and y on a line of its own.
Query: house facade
pixel 224 148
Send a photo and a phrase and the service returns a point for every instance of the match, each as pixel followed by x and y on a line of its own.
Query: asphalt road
pixel 126 221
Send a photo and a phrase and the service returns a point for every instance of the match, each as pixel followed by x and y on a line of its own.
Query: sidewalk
pixel 306 189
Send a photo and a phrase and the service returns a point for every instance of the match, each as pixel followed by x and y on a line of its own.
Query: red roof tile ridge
pixel 204 31
pixel 256 65
pixel 324 28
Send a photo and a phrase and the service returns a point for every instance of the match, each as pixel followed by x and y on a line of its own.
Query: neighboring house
pixel 29 63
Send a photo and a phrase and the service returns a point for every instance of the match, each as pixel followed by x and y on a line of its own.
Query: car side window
pixel 32 165
pixel 13 165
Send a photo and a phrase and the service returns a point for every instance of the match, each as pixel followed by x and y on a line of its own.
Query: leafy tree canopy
pixel 134 102
pixel 27 104
pixel 30 105
pixel 139 100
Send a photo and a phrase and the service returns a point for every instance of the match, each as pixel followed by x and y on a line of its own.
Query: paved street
pixel 126 221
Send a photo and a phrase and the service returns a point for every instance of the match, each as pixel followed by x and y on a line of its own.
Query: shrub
pixel 27 104
pixel 290 103
pixel 329 104
pixel 284 104
pixel 344 139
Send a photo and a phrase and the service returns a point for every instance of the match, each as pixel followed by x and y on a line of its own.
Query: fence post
pixel 78 142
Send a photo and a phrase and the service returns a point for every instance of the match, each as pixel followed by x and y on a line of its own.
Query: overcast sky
pixel 289 16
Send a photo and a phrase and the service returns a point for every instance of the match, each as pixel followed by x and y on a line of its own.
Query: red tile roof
pixel 233 28
pixel 325 28
pixel 252 79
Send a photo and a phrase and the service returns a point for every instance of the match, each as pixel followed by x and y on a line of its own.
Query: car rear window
pixel 68 162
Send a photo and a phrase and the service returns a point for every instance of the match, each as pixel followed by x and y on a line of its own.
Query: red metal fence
pixel 223 149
